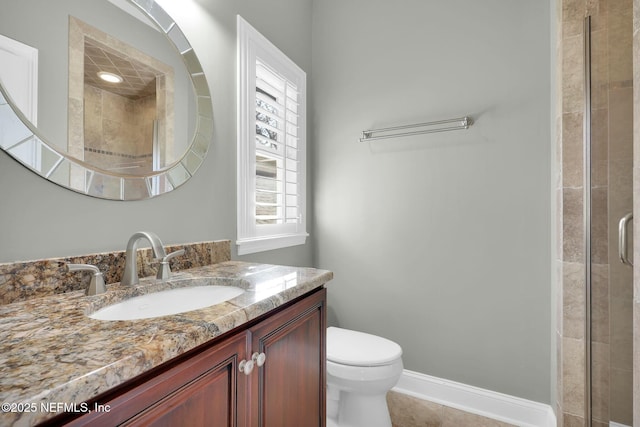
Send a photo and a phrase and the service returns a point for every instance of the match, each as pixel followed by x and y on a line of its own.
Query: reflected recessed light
pixel 110 77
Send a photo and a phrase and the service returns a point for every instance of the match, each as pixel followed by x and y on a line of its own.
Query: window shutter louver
pixel 277 191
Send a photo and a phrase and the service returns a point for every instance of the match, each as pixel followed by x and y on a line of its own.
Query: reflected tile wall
pixel 107 128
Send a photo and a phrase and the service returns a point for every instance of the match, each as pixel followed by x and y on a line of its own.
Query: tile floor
pixel 408 411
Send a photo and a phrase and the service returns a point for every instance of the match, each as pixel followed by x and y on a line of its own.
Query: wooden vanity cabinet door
pixel 289 389
pixel 216 398
pixel 205 390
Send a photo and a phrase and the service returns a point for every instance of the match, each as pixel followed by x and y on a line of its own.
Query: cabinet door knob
pixel 246 366
pixel 259 359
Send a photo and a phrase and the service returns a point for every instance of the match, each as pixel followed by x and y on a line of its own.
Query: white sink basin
pixel 170 301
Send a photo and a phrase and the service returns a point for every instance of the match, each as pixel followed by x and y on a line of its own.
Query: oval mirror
pixel 104 97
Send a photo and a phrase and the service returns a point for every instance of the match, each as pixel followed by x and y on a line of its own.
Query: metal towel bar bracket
pixel 427 127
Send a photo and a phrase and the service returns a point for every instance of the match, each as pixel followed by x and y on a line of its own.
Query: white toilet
pixel 361 368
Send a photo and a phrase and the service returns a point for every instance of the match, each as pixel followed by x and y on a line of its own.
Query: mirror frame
pixel 123 186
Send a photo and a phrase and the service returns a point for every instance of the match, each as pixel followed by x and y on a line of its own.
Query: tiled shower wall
pixel 111 129
pixel 571 269
pixel 118 131
pixel 612 104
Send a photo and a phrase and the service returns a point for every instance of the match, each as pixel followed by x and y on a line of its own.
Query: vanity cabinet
pixel 209 388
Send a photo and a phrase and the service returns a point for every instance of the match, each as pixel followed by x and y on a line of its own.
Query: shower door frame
pixel 587 218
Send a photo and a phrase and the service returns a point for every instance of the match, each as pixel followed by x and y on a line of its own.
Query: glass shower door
pixel 610 170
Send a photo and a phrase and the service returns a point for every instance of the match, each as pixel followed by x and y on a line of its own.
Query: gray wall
pixel 39 219
pixel 439 242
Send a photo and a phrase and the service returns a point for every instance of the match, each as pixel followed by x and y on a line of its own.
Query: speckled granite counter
pixel 52 352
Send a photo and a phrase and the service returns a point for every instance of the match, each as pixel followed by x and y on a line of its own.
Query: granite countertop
pixel 54 354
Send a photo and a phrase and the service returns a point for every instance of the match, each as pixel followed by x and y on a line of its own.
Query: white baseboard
pixel 612 424
pixel 498 406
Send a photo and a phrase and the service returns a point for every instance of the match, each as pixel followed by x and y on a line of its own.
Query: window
pixel 271 145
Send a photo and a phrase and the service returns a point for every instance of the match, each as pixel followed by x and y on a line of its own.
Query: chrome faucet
pixel 130 275
pixel 96 286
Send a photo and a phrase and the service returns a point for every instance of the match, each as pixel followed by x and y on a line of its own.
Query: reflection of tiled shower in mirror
pixel 121 115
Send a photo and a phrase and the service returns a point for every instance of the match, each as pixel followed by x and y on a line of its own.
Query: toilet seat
pixel 356 348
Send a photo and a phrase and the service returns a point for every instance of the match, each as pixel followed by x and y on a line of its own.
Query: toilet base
pixel 357 410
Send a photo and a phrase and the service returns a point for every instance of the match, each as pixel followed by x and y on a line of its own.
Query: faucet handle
pixel 96 286
pixel 173 255
pixel 164 270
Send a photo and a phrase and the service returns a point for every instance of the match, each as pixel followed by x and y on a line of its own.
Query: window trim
pixel 254 237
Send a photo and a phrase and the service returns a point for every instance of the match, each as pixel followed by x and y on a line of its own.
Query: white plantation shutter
pixel 277 189
pixel 271 145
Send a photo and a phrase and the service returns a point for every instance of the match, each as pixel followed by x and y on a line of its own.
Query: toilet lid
pixel 360 349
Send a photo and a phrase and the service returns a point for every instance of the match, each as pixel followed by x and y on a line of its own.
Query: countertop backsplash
pixel 24 280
